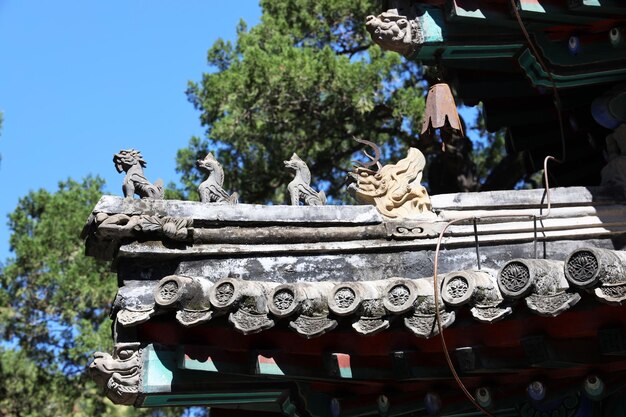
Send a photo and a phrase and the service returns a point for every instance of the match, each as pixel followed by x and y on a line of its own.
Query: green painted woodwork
pixel 471 52
pixel 598 6
pixel 267 366
pixel 158 370
pixel 214 399
pixel 552 12
pixel 539 77
pixel 186 362
pixel 432 24
pixel 557 53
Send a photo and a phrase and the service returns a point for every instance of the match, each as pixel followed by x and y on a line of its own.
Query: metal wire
pixel 477 246
pixel 436 284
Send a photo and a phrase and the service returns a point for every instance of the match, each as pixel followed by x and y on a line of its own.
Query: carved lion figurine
pixel 119 374
pixel 394 189
pixel 132 163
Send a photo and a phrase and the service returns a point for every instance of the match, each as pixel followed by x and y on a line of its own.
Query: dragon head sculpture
pixel 118 374
pixel 394 189
pixel 126 158
pixel 208 164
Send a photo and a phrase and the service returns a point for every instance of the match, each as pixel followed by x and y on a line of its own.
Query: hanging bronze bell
pixel 440 111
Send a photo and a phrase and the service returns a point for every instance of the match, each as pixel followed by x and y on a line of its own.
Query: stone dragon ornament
pixel 394 189
pixel 394 32
pixel 118 374
pixel 299 188
pixel 132 163
pixel 211 190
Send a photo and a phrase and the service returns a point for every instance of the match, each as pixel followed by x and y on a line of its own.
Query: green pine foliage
pixel 306 79
pixel 54 304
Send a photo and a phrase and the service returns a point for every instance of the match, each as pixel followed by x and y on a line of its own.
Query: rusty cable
pixel 558 105
pixel 436 285
pixel 555 90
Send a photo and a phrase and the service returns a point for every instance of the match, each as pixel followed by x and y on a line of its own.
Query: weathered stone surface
pixel 289 264
pixel 241 213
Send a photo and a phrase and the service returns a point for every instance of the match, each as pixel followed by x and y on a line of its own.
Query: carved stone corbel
pixel 423 321
pixel 603 269
pixel 248 299
pixel 477 288
pixel 542 283
pixel 119 374
pixel 188 295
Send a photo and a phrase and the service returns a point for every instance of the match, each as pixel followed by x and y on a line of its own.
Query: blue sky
pixel 80 80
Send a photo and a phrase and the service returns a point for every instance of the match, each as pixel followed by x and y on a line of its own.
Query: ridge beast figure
pixel 299 188
pixel 132 163
pixel 211 190
pixel 394 189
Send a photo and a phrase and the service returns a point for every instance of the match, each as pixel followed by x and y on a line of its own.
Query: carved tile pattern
pixel 399 295
pixel 224 292
pixel 169 290
pixel 345 297
pixel 370 325
pixel 426 325
pixel 128 317
pixel 552 305
pixel 457 287
pixel 250 323
pixel 192 317
pixel 615 291
pixel 490 314
pixel 582 266
pixel 515 276
pixel 283 299
pixel 312 326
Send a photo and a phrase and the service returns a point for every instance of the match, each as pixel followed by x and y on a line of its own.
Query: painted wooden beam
pixel 474 359
pixel 266 365
pixel 604 7
pixel 612 341
pixel 551 11
pixel 338 365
